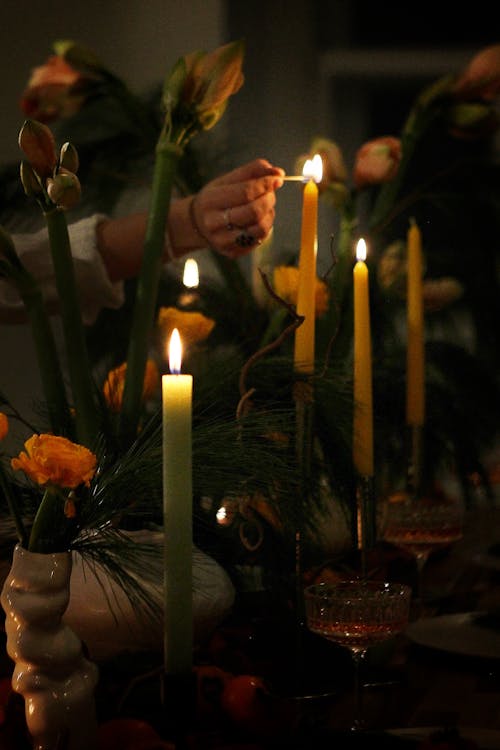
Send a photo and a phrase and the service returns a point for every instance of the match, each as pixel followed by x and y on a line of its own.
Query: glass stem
pixel 421 560
pixel 358 658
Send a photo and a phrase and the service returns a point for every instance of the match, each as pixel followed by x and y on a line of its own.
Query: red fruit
pixel 248 703
pixel 130 734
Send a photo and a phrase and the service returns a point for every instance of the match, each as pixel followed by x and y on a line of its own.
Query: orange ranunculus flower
pixel 4 425
pixel 192 326
pixel 286 286
pixel 377 161
pixel 481 78
pixel 115 383
pixel 55 460
pixel 53 90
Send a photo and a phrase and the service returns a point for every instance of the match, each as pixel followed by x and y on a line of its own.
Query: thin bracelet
pixel 194 222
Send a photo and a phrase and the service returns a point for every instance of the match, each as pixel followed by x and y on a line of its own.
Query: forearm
pixel 121 241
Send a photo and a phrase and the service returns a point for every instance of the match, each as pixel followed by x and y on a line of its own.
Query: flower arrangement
pixel 248 324
pixel 95 466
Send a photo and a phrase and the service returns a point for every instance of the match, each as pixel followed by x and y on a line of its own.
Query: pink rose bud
pixel 481 78
pixel 377 161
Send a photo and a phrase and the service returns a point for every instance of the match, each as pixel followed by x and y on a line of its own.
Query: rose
pixel 115 384
pixel 377 161
pixel 55 460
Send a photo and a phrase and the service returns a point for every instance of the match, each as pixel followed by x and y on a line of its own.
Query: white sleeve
pixel 94 286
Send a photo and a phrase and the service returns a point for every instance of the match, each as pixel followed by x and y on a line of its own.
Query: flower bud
pixel 377 161
pixel 4 425
pixel 64 189
pixel 30 182
pixel 37 142
pixel 68 158
pixel 470 120
pixel 439 293
pixel 481 78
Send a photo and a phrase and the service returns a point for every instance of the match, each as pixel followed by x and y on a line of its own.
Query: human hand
pixel 235 212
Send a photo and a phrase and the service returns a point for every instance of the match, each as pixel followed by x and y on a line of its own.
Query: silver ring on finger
pixel 227 220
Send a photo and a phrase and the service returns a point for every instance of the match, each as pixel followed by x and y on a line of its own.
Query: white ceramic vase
pixel 51 671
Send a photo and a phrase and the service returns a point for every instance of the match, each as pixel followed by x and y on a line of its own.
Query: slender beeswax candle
pixel 177 514
pixel 363 398
pixel 415 388
pixel 306 294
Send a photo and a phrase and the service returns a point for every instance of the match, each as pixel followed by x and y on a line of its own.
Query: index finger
pixel 252 170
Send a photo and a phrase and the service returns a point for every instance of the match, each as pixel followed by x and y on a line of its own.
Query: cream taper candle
pixel 177 513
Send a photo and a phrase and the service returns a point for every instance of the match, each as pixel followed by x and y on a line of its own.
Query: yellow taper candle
pixel 363 397
pixel 177 513
pixel 306 293
pixel 415 389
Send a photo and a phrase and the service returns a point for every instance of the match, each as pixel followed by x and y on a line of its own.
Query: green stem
pixel 167 158
pixel 48 530
pixel 82 386
pixel 48 361
pixel 15 272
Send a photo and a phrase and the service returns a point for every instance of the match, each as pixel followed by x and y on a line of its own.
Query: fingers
pixel 236 211
pixel 251 171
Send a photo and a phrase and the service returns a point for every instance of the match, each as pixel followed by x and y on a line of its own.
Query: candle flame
pixel 313 169
pixel 175 352
pixel 191 277
pixel 361 249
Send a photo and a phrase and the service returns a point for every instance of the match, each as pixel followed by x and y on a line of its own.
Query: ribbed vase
pixel 51 671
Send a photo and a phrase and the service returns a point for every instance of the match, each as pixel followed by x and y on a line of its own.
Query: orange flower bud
pixel 37 142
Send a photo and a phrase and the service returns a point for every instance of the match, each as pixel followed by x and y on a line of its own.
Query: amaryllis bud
pixel 68 158
pixel 470 120
pixel 64 189
pixel 221 75
pixel 37 142
pixel 30 182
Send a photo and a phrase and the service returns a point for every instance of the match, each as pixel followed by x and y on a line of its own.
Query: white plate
pixel 485 739
pixel 459 633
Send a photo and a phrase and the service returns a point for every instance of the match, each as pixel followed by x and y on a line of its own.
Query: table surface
pixel 414 685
